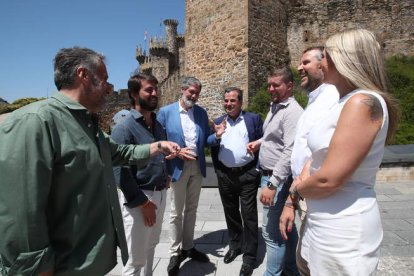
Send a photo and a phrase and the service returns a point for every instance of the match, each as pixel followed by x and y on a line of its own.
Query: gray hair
pixel 190 81
pixel 68 60
pixel 318 54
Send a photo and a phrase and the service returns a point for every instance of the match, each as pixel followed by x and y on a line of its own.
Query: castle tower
pixel 171 36
pixel 233 43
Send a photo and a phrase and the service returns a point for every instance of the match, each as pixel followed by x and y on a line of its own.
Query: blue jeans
pixel 280 253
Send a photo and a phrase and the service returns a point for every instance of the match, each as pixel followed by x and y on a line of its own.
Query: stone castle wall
pixel 237 42
pixel 312 22
pixel 169 90
pixel 223 38
pixel 267 20
pixel 216 48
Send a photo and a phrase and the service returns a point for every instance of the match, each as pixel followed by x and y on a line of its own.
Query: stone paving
pixel 396 202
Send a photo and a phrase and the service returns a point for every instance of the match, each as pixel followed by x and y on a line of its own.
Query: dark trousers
pixel 238 189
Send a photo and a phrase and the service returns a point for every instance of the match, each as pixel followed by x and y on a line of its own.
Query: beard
pixel 311 84
pixel 187 102
pixel 148 105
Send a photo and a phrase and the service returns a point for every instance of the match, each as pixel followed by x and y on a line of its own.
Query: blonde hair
pixel 358 57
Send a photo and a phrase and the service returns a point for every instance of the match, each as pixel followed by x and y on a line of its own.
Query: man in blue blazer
pixel 187 124
pixel 238 179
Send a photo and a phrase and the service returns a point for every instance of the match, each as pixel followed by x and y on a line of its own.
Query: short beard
pixel 188 103
pixel 146 105
pixel 312 84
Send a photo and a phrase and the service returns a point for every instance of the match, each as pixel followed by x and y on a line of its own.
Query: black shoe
pixel 174 265
pixel 231 255
pixel 195 255
pixel 246 270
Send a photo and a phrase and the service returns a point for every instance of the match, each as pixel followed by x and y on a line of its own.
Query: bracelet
pixel 291 205
pixel 294 194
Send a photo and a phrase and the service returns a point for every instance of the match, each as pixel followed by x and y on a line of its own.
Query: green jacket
pixel 58 202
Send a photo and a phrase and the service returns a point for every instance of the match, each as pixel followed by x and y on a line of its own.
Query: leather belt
pixel 266 172
pixel 237 169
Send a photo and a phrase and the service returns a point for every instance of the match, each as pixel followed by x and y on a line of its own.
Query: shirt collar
pixel 138 116
pixel 284 103
pixel 135 114
pixel 315 93
pixel 182 110
pixel 68 102
pixel 239 118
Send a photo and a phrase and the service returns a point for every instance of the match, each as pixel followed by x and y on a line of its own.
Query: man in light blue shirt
pixel 238 179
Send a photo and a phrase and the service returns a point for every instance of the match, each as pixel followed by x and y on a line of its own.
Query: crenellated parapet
pixel 140 55
pixel 163 57
pixel 158 47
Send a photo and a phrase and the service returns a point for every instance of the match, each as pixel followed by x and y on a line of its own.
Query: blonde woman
pixel 343 229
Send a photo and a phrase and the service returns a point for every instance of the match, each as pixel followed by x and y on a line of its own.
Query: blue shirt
pixel 133 130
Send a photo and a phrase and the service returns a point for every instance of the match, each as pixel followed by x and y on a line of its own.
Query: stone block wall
pixel 216 48
pixel 169 90
pixel 267 43
pixel 312 22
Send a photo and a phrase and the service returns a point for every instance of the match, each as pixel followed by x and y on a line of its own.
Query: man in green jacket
pixel 59 210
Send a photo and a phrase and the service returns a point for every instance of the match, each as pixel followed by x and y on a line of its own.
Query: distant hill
pixel 2 101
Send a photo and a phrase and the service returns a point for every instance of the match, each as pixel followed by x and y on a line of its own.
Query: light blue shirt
pixel 233 146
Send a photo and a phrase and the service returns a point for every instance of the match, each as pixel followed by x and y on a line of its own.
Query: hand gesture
pixel 186 154
pixel 220 128
pixel 252 147
pixel 169 149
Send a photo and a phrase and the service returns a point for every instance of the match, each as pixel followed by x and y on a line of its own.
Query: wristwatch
pixel 159 147
pixel 270 185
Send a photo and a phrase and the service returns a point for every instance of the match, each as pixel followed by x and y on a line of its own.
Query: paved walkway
pixel 396 202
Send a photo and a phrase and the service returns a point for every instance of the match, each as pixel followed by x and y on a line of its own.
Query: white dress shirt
pixel 320 101
pixel 233 145
pixel 189 128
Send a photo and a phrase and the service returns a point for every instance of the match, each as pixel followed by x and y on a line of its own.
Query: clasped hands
pixel 172 150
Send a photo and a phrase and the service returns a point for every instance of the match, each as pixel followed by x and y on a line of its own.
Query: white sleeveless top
pixel 357 194
pixel 343 231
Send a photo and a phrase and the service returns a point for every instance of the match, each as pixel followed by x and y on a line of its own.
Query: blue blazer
pixel 169 117
pixel 254 125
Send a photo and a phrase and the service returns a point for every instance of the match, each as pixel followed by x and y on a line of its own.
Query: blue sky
pixel 32 31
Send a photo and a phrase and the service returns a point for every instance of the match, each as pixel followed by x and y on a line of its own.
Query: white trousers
pixel 185 194
pixel 141 240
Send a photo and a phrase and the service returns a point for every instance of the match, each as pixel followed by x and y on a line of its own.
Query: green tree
pixel 400 71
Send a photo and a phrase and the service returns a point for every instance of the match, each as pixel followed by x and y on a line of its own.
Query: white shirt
pixel 233 145
pixel 320 101
pixel 189 128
